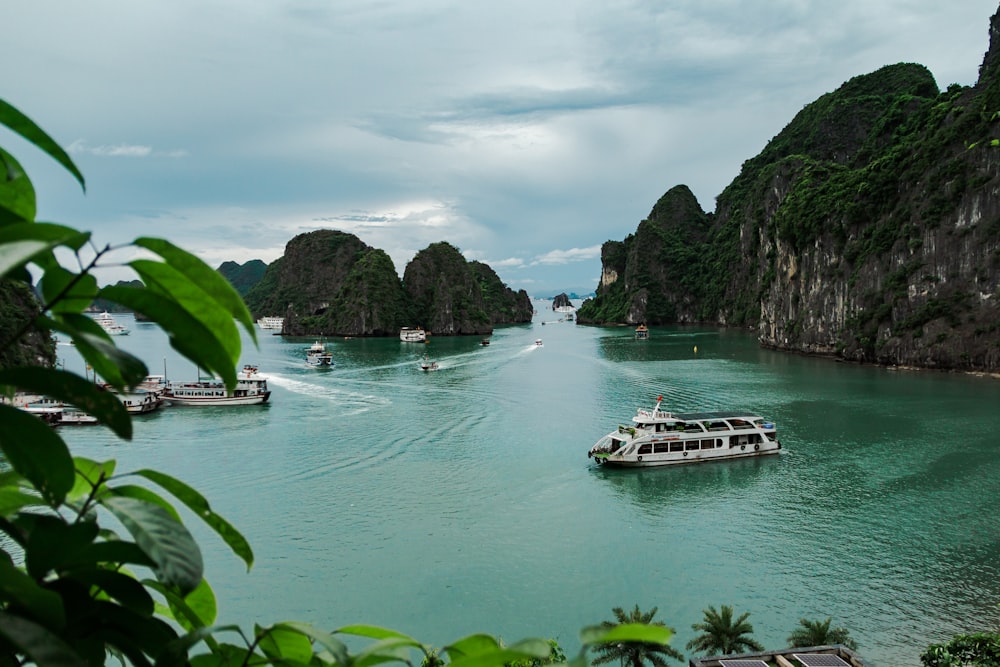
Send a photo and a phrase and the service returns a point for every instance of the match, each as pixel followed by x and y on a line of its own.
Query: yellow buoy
pixel 696 349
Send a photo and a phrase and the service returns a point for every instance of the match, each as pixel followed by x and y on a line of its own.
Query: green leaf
pixel 372 631
pixel 281 643
pixel 626 632
pixel 17 194
pixel 195 610
pixel 145 495
pixel 201 274
pixel 35 451
pixel 20 124
pixel 187 334
pixel 13 500
pixel 17 589
pixel 123 588
pixel 116 552
pixel 71 388
pixel 116 366
pixel 49 233
pixel 170 545
pixel 171 283
pixel 54 544
pixel 68 292
pixel 44 648
pixel 336 648
pixel 175 654
pixel 472 645
pixel 199 505
pixel 89 474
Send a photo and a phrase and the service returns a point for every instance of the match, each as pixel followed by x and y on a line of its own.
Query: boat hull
pixel 195 401
pixel 687 458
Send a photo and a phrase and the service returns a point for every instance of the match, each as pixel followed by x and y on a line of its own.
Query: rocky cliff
pixel 869 229
pixel 18 308
pixel 331 283
pixel 243 276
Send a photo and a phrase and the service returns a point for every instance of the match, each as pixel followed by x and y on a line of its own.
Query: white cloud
pixel 568 256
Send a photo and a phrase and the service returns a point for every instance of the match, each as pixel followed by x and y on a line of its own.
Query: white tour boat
pixel 318 355
pixel 408 335
pixel 251 389
pixel 271 322
pixel 641 332
pixel 110 326
pixel 659 438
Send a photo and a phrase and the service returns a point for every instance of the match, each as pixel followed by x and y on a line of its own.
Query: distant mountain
pixel 103 305
pixel 243 276
pixel 867 229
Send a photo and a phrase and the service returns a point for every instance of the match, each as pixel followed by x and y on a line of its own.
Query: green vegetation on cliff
pixel 243 276
pixel 444 293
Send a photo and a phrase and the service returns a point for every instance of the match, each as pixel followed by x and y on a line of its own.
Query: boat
pixel 538 342
pixel 318 355
pixel 641 332
pixel 269 322
pixel 428 365
pixel 484 342
pixel 251 389
pixel 408 335
pixel 110 326
pixel 658 438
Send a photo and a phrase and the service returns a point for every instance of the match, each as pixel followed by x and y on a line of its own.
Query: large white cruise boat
pixel 271 322
pixel 408 335
pixel 251 389
pixel 659 438
pixel 110 326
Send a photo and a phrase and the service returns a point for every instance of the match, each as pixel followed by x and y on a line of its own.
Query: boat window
pixel 691 444
pixel 708 444
pixel 676 446
pixel 694 427
pixel 646 448
pixel 661 447
pixel 718 443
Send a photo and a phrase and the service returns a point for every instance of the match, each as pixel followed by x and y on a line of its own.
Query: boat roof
pixel 698 416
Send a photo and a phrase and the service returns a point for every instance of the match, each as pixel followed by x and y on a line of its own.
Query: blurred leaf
pixel 626 632
pixel 284 643
pixel 20 124
pixel 187 334
pixel 68 292
pixel 37 453
pixel 19 590
pixel 44 648
pixel 70 388
pixel 372 631
pixel 49 233
pixel 116 366
pixel 17 194
pixel 123 588
pixel 195 610
pixel 199 505
pixel 472 645
pixel 175 654
pixel 336 648
pixel 164 539
pixel 146 495
pixel 226 655
pixel 89 474
pixel 13 500
pixel 53 542
pixel 117 552
pixel 207 278
pixel 171 283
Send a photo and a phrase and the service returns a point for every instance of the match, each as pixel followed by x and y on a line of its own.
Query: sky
pixel 526 134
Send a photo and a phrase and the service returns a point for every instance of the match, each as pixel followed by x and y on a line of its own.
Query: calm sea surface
pixel 459 501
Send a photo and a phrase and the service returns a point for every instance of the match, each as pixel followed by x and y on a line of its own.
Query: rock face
pixel 869 229
pixel 444 293
pixel 243 276
pixel 561 301
pixel 331 283
pixel 18 306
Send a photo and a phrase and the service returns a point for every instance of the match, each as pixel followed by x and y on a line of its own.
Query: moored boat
pixel 110 326
pixel 408 335
pixel 269 322
pixel 251 389
pixel 659 438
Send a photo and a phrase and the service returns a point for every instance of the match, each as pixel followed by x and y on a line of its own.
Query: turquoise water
pixel 458 501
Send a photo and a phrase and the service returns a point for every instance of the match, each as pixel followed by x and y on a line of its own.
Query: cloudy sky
pixel 524 133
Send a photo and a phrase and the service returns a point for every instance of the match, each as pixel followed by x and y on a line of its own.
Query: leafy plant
pixel 722 635
pixel 635 654
pixel 73 591
pixel 819 633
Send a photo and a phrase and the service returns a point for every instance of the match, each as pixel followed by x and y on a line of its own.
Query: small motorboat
pixel 484 342
pixel 428 365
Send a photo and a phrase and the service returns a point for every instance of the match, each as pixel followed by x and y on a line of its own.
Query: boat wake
pixel 351 402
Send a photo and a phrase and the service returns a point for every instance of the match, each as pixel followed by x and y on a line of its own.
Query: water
pixel 446 503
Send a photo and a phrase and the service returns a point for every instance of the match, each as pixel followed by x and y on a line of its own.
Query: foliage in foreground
pixel 722 635
pixel 73 592
pixel 975 650
pixel 635 654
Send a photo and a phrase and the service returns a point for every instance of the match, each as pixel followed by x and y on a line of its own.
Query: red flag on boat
pixel 659 398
